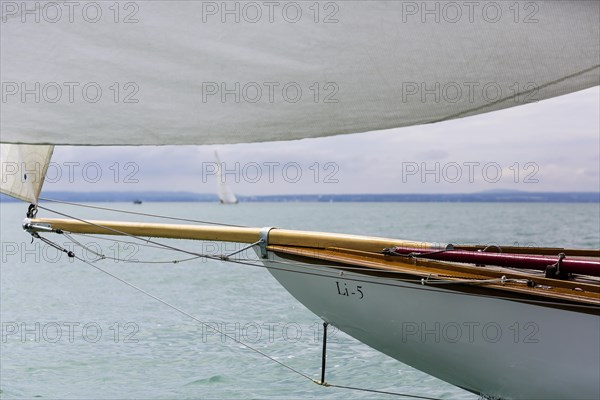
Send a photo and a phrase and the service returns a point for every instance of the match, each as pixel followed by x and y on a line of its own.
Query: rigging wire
pixel 139 213
pixel 243 262
pixel 162 245
pixel 193 317
pixel 380 392
pixel 127 261
pixel 197 255
pixel 325 384
pixel 247 261
pixel 112 239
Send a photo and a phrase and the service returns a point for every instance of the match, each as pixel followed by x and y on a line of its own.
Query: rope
pixel 129 235
pixel 222 332
pixel 227 256
pixel 220 258
pixel 197 255
pixel 393 252
pixel 382 392
pixel 139 213
pixel 346 268
pixel 113 239
pixel 503 280
pixel 105 257
pixel 180 311
pixel 102 256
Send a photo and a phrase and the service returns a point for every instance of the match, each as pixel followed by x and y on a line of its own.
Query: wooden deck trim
pixel 418 268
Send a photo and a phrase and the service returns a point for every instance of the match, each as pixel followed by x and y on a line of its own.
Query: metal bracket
pixel 561 256
pixel 30 227
pixel 32 211
pixel 554 272
pixel 264 241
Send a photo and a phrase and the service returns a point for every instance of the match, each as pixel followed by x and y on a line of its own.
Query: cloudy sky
pixel 553 145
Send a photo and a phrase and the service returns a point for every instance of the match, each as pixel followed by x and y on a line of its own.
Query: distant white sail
pixel 24 168
pixel 225 193
pixel 204 72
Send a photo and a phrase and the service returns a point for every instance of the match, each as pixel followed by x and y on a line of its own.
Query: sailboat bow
pixel 458 320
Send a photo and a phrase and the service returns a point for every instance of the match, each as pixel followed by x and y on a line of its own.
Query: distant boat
pixel 225 193
pixel 137 201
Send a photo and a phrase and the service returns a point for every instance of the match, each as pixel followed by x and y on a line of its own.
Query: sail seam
pixel 516 95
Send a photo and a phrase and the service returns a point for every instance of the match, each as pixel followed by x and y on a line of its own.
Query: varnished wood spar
pixel 321 240
pixel 281 237
pixel 170 231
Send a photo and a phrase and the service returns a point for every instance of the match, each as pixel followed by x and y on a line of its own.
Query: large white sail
pixel 24 168
pixel 202 72
pixel 224 191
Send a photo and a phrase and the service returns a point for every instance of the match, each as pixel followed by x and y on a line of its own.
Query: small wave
pixel 207 381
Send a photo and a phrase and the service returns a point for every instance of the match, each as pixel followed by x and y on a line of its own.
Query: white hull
pixel 499 348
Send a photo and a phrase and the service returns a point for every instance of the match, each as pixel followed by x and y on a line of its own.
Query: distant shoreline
pixel 481 197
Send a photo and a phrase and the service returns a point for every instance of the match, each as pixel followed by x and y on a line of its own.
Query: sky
pixel 552 145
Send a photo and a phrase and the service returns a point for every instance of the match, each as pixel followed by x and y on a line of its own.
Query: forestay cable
pixel 356 279
pixel 71 254
pixel 139 213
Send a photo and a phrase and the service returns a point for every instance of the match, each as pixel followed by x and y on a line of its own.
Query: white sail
pixel 24 168
pixel 224 191
pixel 191 72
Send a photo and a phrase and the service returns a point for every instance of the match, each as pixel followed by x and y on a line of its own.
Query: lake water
pixel 70 331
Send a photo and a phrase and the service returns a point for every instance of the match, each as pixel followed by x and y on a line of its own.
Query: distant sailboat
pixel 225 193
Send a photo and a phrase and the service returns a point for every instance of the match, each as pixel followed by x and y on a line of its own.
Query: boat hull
pixel 499 348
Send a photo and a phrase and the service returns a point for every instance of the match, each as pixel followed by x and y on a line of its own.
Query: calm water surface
pixel 70 331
